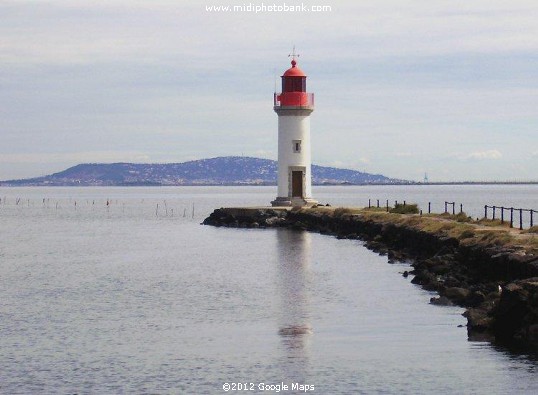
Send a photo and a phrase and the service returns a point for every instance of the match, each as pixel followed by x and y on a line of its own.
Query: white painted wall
pixel 293 127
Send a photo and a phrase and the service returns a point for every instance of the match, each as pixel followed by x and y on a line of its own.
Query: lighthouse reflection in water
pixel 294 280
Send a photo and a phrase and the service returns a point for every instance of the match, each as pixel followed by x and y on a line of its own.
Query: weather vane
pixel 293 54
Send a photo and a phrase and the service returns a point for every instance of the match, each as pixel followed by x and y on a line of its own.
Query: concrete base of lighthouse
pixel 293 202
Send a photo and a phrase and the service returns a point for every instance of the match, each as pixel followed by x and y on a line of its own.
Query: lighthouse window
pixel 297 146
pixel 293 84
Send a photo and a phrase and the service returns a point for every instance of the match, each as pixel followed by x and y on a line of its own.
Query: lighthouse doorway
pixel 297 184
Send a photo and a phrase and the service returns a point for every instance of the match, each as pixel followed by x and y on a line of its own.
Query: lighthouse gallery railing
pixel 293 99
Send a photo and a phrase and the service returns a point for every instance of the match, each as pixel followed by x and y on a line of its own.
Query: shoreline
pixel 11 184
pixel 490 270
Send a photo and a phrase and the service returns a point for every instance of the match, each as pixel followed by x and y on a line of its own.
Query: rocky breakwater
pixel 489 269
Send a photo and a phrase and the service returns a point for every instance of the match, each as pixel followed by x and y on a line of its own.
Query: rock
pixel 396 255
pixel 475 299
pixel 427 280
pixel 478 319
pixel 405 274
pixel 441 301
pixel 533 334
pixel 456 294
pixel 376 246
pixel 298 225
pixel 511 313
pixel 451 281
pixel 274 221
pixel 441 269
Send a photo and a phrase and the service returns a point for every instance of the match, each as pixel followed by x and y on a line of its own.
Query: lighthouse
pixel 293 107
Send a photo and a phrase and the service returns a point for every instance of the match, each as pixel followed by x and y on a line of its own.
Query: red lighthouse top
pixel 294 89
pixel 294 71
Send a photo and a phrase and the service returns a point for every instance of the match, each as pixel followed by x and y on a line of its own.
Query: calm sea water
pixel 137 297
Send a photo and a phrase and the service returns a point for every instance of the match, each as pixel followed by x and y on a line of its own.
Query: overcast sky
pixel 402 87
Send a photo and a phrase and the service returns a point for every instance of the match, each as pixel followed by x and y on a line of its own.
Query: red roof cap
pixel 294 71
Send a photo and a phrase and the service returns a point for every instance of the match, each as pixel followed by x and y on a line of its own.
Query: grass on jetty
pixel 460 226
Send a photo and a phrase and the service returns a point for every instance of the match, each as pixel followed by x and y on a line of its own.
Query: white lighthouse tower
pixel 294 106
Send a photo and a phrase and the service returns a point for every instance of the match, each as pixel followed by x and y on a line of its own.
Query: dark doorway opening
pixel 297 184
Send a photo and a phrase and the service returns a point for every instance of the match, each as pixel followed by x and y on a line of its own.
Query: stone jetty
pixel 484 266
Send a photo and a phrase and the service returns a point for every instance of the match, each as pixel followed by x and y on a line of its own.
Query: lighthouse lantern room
pixel 294 106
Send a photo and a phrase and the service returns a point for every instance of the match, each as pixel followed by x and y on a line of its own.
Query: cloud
pixel 489 154
pixel 144 77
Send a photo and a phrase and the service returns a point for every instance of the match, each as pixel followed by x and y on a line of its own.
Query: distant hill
pixel 228 170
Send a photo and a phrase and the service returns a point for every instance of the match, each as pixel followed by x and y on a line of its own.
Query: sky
pixel 402 87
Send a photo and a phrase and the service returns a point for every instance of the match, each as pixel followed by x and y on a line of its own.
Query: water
pixel 131 298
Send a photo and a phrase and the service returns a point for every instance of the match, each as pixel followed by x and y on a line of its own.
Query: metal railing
pixel 385 204
pixel 293 99
pixel 511 210
pixel 515 216
pixel 453 204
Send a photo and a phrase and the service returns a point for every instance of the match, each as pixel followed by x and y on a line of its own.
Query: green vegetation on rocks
pixel 404 209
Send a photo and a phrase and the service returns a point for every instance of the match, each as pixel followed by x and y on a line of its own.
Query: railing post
pixel 453 208
pixel 404 203
pixel 387 206
pixel 429 207
pixel 532 224
pixel 486 211
pixel 502 215
pixel 461 207
pixel 377 203
pixel 369 205
pixel 446 210
pixel 520 219
pixel 395 203
pixel 493 218
pixel 511 217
